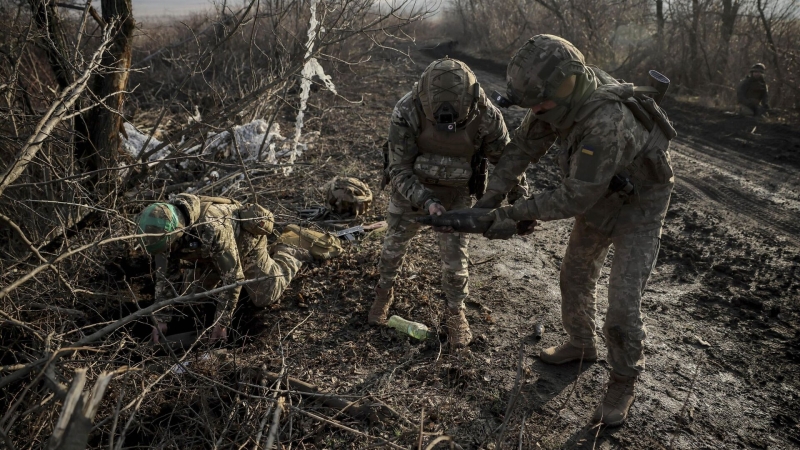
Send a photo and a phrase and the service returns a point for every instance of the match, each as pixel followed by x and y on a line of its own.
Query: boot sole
pixel 568 360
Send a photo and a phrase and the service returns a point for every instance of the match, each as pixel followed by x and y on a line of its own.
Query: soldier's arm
pixel 592 165
pixel 765 97
pixel 495 139
pixel 402 153
pixel 165 267
pixel 528 144
pixel 218 243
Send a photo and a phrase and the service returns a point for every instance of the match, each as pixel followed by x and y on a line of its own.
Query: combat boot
pixel 567 352
pixel 457 327
pixel 613 410
pixel 380 307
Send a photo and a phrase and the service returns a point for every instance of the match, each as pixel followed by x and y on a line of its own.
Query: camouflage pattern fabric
pixel 224 253
pixel 591 152
pixel 348 195
pixel 634 259
pixel 452 246
pixel 405 128
pixel 753 94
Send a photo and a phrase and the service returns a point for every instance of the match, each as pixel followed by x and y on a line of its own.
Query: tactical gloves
pixel 504 227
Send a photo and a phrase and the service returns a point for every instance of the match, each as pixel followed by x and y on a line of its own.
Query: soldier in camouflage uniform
pixel 225 242
pixel 752 92
pixel 440 135
pixel 617 185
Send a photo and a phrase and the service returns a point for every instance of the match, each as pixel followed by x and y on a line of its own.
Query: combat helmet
pixel 758 67
pixel 538 69
pixel 163 219
pixel 256 219
pixel 448 93
pixel 347 195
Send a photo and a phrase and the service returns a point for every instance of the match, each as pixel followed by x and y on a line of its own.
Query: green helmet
pixel 758 68
pixel 448 93
pixel 160 218
pixel 538 68
pixel 256 219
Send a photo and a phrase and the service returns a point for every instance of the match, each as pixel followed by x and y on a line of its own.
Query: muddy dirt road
pixel 721 307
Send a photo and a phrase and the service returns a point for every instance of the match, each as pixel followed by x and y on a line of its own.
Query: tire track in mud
pixel 786 223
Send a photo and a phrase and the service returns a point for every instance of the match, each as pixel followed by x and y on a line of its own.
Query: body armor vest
pixel 445 158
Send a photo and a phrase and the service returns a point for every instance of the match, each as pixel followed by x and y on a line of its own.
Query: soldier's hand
pixel 503 226
pixel 436 209
pixel 159 329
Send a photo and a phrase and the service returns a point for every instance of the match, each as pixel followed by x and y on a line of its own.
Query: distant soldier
pixel 440 137
pixel 617 184
pixel 226 242
pixel 752 92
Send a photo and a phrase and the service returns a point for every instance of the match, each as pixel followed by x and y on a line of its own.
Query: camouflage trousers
pixel 452 246
pixel 277 270
pixel 634 259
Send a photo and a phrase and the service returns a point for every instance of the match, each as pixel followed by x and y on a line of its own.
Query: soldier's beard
pixel 563 115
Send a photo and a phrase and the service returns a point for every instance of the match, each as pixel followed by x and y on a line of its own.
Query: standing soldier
pixel 752 92
pixel 227 242
pixel 440 136
pixel 617 184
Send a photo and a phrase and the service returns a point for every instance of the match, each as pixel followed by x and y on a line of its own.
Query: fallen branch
pixel 372 413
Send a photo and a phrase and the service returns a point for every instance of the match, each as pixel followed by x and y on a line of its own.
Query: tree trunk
pixel 45 13
pixel 773 49
pixel 694 43
pixel 730 12
pixel 102 144
pixel 660 21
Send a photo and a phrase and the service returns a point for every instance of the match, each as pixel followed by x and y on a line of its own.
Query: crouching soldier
pixel 440 137
pixel 752 93
pixel 226 242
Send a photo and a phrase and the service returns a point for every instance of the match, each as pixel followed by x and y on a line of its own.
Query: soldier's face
pixel 544 106
pixel 757 74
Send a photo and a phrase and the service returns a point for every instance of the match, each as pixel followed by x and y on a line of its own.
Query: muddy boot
pixel 380 307
pixel 613 410
pixel 567 352
pixel 457 328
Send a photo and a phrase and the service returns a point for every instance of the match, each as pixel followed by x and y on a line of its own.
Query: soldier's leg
pixel 402 228
pixel 580 270
pixel 277 271
pixel 453 251
pixel 634 260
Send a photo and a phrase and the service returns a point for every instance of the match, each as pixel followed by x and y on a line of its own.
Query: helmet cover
pixel 347 195
pixel 447 91
pixel 163 219
pixel 539 67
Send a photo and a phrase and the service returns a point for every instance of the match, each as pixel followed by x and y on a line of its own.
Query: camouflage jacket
pixel 599 145
pixel 752 91
pixel 404 128
pixel 213 239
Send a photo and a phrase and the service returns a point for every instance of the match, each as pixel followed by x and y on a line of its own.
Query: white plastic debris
pixel 249 139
